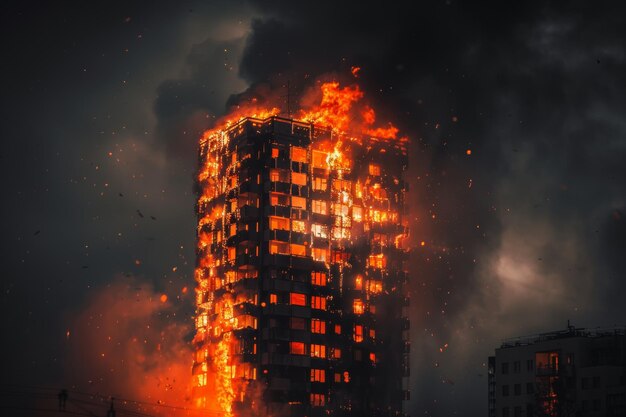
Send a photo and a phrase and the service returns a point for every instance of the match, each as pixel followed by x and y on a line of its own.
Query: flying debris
pixel 120 194
pixel 153 218
pixel 37 232
pixel 139 213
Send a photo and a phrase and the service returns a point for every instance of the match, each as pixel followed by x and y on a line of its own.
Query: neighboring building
pixel 301 298
pixel 575 372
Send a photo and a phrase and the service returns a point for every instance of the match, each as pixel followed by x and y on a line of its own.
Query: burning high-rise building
pixel 301 297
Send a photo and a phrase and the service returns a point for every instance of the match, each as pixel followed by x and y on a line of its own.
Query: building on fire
pixel 575 372
pixel 301 276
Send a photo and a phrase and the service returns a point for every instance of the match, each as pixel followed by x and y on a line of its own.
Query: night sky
pixel 517 119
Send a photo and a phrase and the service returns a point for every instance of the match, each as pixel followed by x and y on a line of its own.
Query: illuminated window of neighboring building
pixel 318 400
pixel 298 250
pixel 337 377
pixel 298 178
pixel 358 307
pixel 318 326
pixel 357 213
pixel 298 202
pixel 297 299
pixel 372 334
pixel 319 159
pixel 273 298
pixel 275 152
pixel 297 323
pixel 277 247
pixel 318 375
pixel 318 302
pixel 318 278
pixel 374 169
pixel 346 377
pixel 298 154
pixel 373 357
pixel 318 351
pixel 298 226
pixel 319 230
pixel 319 254
pixel 320 183
pixel 358 282
pixel 279 223
pixel 297 348
pixel 338 328
pixel 358 333
pixel 337 353
pixel 319 206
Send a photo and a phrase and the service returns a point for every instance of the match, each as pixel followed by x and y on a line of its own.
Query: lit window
pixel 358 306
pixel 298 178
pixel 318 326
pixel 374 287
pixel 274 152
pixel 298 154
pixel 297 348
pixel 298 226
pixel 372 334
pixel 298 250
pixel 318 351
pixel 358 333
pixel 338 328
pixel 357 213
pixel 319 207
pixel 318 303
pixel 318 278
pixel 297 323
pixel 297 299
pixel 337 353
pixel 281 175
pixel 319 159
pixel 337 377
pixel 318 400
pixel 358 282
pixel 273 298
pixel 318 375
pixel 374 169
pixel 278 199
pixel 373 357
pixel 346 377
pixel 320 183
pixel 319 254
pixel 232 252
pixel 298 202
pixel 277 247
pixel 377 261
pixel 279 223
pixel 201 380
pixel 319 230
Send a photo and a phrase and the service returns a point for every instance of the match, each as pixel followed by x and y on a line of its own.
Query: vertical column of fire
pixel 214 315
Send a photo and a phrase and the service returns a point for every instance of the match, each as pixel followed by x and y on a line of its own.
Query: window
pixel 298 226
pixel 373 357
pixel 517 389
pixel 297 348
pixel 298 178
pixel 297 323
pixel 318 375
pixel 338 328
pixel 320 184
pixel 319 254
pixel 278 199
pixel 372 334
pixel 505 390
pixel 318 326
pixel 358 307
pixel 358 333
pixel 505 411
pixel 517 411
pixel 358 282
pixel 318 351
pixel 274 152
pixel 377 261
pixel 530 365
pixel 298 250
pixel 279 223
pixel 318 400
pixel 319 159
pixel 298 154
pixel 337 353
pixel 374 169
pixel 297 299
pixel 232 252
pixel 318 278
pixel 277 247
pixel 319 207
pixel 357 213
pixel 530 388
pixel 346 377
pixel 517 367
pixel 337 377
pixel 281 175
pixel 273 298
pixel 318 303
pixel 319 230
pixel 505 368
pixel 298 202
pixel 596 382
pixel 374 287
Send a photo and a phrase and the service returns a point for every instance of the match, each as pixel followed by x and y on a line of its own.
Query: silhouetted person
pixel 111 412
pixel 62 399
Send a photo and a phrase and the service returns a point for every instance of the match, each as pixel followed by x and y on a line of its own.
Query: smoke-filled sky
pixel 516 114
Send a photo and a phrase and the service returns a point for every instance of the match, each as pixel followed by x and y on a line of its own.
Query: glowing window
pixel 279 223
pixel 319 207
pixel 320 183
pixel 274 152
pixel 372 334
pixel 338 328
pixel 281 175
pixel 318 375
pixel 298 226
pixel 357 213
pixel 232 252
pixel 277 247
pixel 318 278
pixel 298 178
pixel 278 199
pixel 340 210
pixel 297 348
pixel 297 323
pixel 319 254
pixel 346 377
pixel 337 353
pixel 342 185
pixel 374 169
pixel 319 159
pixel 298 250
pixel 298 202
pixel 318 351
pixel 318 302
pixel 319 230
pixel 377 261
pixel 298 154
pixel 297 299
pixel 373 357
pixel 318 400
pixel 358 282
pixel 337 377
pixel 318 326
pixel 273 298
pixel 201 380
pixel 358 333
pixel 358 306
pixel 374 287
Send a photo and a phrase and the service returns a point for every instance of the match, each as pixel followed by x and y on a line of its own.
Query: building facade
pixel 575 372
pixel 301 296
